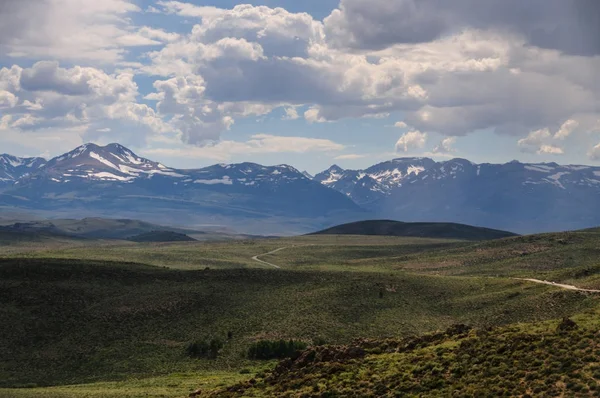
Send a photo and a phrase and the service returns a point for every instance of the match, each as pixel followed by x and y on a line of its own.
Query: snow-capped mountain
pixel 374 183
pixel 522 197
pixel 513 196
pixel 112 180
pixel 13 168
pixel 91 162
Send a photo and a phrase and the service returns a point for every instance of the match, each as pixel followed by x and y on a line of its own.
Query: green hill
pixel 73 322
pixel 416 229
pixel 161 236
pixel 549 359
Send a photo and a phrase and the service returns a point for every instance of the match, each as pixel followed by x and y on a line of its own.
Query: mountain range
pixel 519 197
pixel 112 181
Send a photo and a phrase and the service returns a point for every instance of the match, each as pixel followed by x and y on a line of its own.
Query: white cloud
pixel 92 30
pixel 445 146
pixel 445 72
pixel 258 144
pixel 352 156
pixel 534 139
pixel 411 140
pixel 187 9
pixel 550 150
pixel 312 116
pixel 594 153
pixel 566 129
pixel 291 113
pixel 49 96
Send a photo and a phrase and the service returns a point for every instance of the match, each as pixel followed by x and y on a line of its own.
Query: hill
pixel 161 236
pixel 417 229
pixel 548 359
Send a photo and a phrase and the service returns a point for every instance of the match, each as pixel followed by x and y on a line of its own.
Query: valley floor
pixel 92 319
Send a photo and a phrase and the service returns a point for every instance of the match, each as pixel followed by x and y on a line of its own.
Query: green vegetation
pixel 82 318
pixel 527 360
pixel 205 349
pixel 70 322
pixel 230 254
pixel 174 385
pixel 416 229
pixel 269 349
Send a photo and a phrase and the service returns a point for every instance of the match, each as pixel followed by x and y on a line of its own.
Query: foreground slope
pixel 421 230
pixel 542 359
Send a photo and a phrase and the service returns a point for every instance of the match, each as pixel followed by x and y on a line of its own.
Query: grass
pixel 73 322
pixel 174 385
pixel 102 318
pixel 541 359
pixel 230 254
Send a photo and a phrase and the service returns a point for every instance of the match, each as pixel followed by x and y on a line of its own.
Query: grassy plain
pixel 109 318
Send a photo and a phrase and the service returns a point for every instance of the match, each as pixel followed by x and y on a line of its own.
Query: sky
pixel 308 83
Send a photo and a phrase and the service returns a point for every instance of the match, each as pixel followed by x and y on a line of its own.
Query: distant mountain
pixel 514 196
pixel 112 181
pixel 376 182
pixel 416 229
pixel 13 168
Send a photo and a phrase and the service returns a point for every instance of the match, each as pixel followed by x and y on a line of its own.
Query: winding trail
pixel 560 285
pixel 256 258
pixel 568 287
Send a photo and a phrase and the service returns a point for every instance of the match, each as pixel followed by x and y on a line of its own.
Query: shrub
pixel 270 349
pixel 204 349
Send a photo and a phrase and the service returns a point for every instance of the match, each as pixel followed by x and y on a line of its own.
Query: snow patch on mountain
pixel 539 168
pixel 225 181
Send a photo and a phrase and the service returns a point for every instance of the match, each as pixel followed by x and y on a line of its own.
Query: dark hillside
pixel 161 236
pixel 417 229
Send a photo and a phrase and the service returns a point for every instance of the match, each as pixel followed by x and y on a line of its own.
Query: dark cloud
pixel 570 26
pixel 17 17
pixel 47 76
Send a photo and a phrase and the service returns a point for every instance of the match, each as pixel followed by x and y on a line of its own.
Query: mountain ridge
pixel 112 181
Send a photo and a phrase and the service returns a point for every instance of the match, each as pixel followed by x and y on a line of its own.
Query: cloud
pixel 291 113
pixel 537 141
pixel 445 146
pixel 455 85
pixel 566 129
pixel 258 144
pixel 534 139
pixel 594 153
pixel 550 150
pixel 187 9
pixel 510 67
pixel 47 96
pixel 352 156
pixel 84 30
pixel 400 125
pixel 411 140
pixel 566 25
